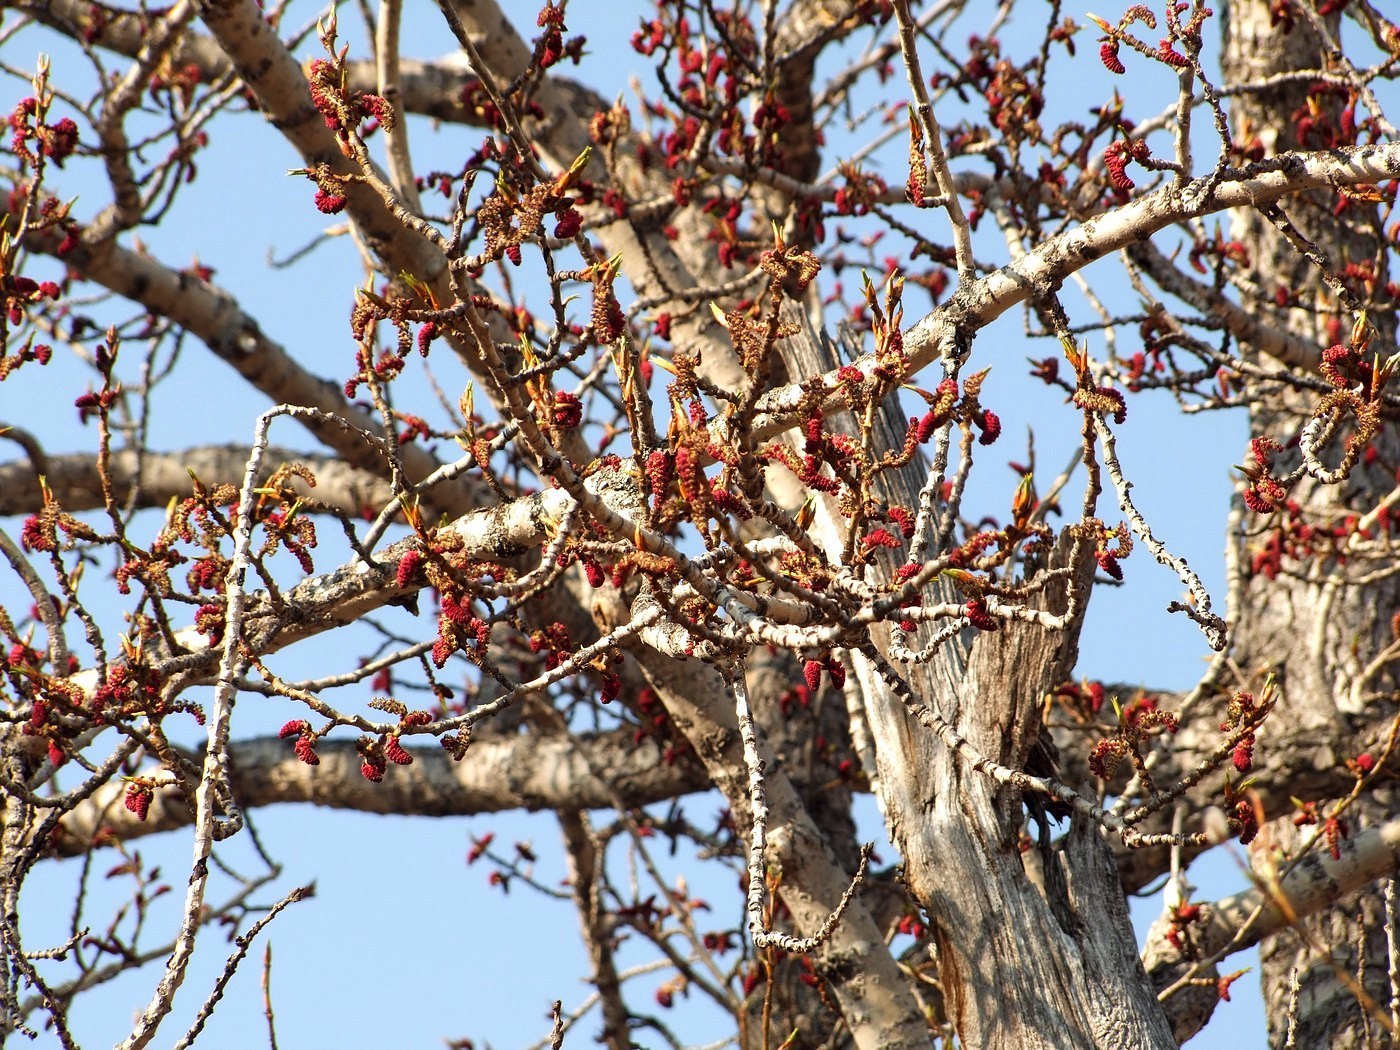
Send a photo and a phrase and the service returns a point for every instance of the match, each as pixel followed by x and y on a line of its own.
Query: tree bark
pixel 1315 625
pixel 1022 964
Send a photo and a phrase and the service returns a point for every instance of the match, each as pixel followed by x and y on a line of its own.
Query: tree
pixel 628 480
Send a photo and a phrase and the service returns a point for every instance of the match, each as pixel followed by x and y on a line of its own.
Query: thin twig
pixel 243 943
pixel 962 230
pixel 758 801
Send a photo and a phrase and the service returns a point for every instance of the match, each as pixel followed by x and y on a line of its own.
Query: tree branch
pixel 948 330
pixel 498 774
pixel 74 480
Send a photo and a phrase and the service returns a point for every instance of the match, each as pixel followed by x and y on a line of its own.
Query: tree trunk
pixel 1020 966
pixel 1314 624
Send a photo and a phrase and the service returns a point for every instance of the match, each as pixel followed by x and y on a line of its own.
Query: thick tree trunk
pixel 1019 968
pixel 1314 625
pixel 1022 965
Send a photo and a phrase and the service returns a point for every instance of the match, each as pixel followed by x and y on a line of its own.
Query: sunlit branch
pixel 762 935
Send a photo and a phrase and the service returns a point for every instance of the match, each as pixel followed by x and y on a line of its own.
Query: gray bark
pixel 1317 627
pixel 1023 962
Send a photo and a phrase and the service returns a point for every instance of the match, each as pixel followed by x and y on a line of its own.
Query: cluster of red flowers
pixel 56 141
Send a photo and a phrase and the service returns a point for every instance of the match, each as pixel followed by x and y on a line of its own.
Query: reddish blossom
pixel 328 202
pixel 880 538
pixel 408 566
pixel 836 670
pixel 138 799
pixel 1242 754
pixel 612 687
pixel 1108 54
pixel 990 423
pixel 395 752
pixel 979 617
pixel 479 847
pixel 903 519
pixel 568 224
pixel 305 749
pixel 568 410
pixel 1172 57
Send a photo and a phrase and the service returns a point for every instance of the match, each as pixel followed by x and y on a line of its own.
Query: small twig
pixel 1290 1042
pixel 962 230
pixel 1212 626
pixel 267 997
pixel 243 944
pixel 556 1031
pixel 758 801
pixel 1392 955
pixel 213 785
pixel 386 56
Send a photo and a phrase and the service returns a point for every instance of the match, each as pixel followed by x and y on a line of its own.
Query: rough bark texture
pixel 1316 628
pixel 1022 963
